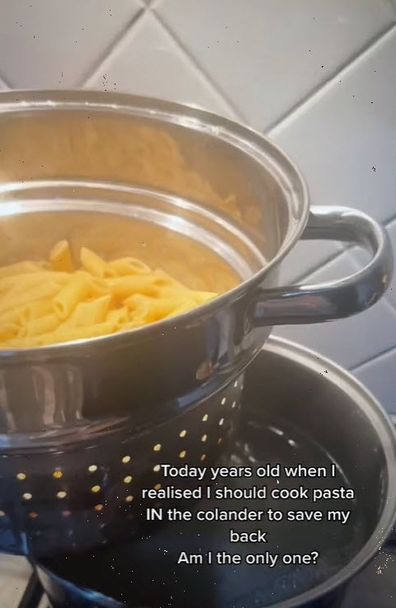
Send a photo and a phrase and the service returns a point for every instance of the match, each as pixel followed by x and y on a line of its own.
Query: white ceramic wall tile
pixel 344 140
pixel 392 288
pixel 305 258
pixel 150 62
pixel 53 43
pixel 349 341
pixel 14 574
pixel 267 55
pixel 380 378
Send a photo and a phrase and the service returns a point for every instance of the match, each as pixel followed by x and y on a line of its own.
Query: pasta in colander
pixel 51 302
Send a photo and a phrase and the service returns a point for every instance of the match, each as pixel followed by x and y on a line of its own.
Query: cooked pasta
pixel 56 301
pixel 61 258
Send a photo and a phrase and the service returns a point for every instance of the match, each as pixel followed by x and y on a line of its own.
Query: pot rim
pixel 248 140
pixel 382 424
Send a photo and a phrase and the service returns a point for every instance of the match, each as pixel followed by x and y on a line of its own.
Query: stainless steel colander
pixel 86 494
pixel 84 426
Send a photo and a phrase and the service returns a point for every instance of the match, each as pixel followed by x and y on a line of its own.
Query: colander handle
pixel 335 299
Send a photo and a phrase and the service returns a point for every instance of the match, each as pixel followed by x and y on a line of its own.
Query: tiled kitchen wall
pixel 317 76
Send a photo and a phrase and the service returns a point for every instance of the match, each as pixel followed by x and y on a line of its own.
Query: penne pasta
pixel 20 268
pixel 41 325
pixel 131 325
pixel 200 297
pixel 97 286
pixel 94 264
pixel 59 336
pixel 37 292
pixel 60 257
pixel 50 303
pixel 89 313
pixel 8 330
pixel 36 310
pixel 14 315
pixel 79 333
pixel 123 287
pixel 70 295
pixel 183 307
pixel 119 316
pixel 152 309
pixel 125 266
pixel 24 281
pixel 168 280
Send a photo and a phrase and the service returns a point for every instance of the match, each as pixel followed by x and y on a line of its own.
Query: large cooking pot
pixel 84 424
pixel 298 407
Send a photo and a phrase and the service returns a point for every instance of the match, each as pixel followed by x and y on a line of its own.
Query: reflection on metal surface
pixel 238 204
pixel 40 397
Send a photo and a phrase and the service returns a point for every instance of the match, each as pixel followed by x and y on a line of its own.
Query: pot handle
pixel 335 299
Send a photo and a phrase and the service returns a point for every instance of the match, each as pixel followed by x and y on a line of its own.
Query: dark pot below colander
pixel 298 408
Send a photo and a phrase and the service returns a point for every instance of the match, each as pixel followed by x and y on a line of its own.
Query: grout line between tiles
pixel 361 365
pixel 111 48
pixel 231 107
pixel 391 304
pixel 390 222
pixel 328 83
pixel 4 82
pixel 322 265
